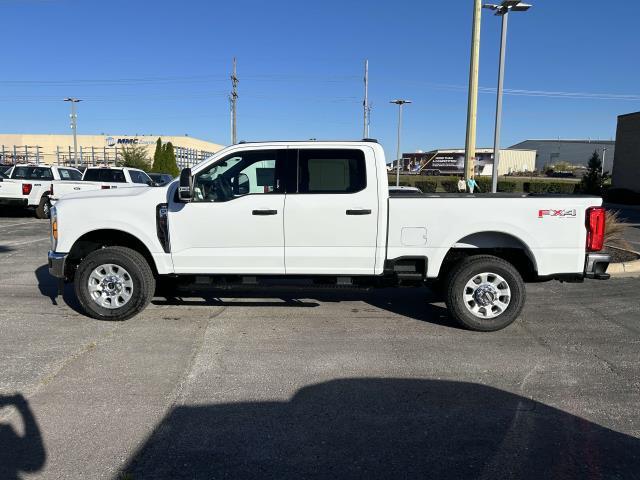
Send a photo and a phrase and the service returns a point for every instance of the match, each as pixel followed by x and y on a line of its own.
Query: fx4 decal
pixel 557 213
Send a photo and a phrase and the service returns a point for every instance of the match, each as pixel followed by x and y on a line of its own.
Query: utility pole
pixel 233 99
pixel 502 11
pixel 365 104
pixel 604 156
pixel 400 104
pixel 74 127
pixel 472 107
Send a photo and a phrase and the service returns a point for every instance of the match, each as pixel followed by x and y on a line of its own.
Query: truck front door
pixel 331 212
pixel 235 222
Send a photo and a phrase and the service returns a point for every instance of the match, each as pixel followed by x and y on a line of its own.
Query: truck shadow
pixel 20 452
pixel 48 287
pixel 384 428
pixel 418 304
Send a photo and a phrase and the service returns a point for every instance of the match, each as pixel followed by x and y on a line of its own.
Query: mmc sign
pixel 111 142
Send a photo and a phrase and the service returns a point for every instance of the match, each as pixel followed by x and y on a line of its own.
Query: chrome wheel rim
pixel 487 295
pixel 110 286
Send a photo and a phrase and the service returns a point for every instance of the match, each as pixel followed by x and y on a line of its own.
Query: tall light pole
pixel 604 156
pixel 502 10
pixel 400 104
pixel 365 103
pixel 472 106
pixel 74 127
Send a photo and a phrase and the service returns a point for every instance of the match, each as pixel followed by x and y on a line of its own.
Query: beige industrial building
pixel 95 149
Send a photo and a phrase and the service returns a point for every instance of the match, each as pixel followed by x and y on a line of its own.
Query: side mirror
pixel 185 190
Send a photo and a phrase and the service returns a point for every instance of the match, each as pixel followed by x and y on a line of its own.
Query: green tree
pixel 134 156
pixel 593 181
pixel 158 158
pixel 169 164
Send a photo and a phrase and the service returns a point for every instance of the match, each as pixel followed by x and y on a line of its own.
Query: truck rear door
pixel 331 212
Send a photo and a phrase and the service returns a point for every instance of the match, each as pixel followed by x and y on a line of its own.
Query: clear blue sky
pixel 162 68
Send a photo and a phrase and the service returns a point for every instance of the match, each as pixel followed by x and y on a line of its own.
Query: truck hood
pixel 116 195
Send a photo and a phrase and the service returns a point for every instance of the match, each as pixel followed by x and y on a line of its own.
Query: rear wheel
pixel 43 208
pixel 114 283
pixel 485 293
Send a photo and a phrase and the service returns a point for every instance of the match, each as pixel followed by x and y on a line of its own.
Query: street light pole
pixel 472 106
pixel 604 156
pixel 74 127
pixel 400 104
pixel 502 11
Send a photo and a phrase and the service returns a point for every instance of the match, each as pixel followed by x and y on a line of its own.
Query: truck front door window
pixel 241 174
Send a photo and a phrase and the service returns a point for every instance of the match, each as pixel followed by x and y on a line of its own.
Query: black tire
pixel 44 207
pixel 463 271
pixel 138 268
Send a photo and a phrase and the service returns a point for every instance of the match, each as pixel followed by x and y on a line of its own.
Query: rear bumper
pixel 13 202
pixel 56 264
pixel 596 266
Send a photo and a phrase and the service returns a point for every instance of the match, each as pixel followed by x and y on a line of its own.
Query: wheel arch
pixel 97 239
pixel 503 245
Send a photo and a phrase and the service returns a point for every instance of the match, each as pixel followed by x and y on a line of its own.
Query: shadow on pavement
pixel 48 287
pixel 5 249
pixel 411 302
pixel 20 452
pixel 15 212
pixel 384 428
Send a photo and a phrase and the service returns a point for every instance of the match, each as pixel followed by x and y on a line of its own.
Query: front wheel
pixel 485 293
pixel 114 283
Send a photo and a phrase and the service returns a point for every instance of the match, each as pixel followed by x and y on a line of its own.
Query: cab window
pixel 255 172
pixel 32 173
pixel 331 171
pixel 139 177
pixel 69 174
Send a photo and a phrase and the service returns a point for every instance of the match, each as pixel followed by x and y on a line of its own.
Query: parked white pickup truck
pixel 31 185
pixel 319 212
pixel 34 186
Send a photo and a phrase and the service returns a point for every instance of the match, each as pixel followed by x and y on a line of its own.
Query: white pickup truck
pixel 319 212
pixel 32 185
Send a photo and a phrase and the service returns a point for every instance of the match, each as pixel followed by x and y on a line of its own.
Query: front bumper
pixel 596 266
pixel 56 264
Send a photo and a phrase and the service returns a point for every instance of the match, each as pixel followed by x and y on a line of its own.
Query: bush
pixel 566 188
pixel 449 184
pixel 427 186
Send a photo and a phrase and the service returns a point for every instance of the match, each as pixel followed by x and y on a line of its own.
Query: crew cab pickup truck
pixel 320 213
pixel 31 185
pixel 105 178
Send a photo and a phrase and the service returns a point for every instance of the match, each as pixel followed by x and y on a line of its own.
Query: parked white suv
pixel 320 211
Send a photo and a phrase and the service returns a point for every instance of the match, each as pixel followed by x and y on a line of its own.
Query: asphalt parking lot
pixel 313 385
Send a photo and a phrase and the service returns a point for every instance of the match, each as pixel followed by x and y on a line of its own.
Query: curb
pixel 625 269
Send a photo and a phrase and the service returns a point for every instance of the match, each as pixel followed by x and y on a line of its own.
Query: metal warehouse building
pixel 626 167
pixel 451 161
pixel 575 152
pixel 95 149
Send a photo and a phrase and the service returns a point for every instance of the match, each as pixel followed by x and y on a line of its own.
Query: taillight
pixel 51 190
pixel 26 188
pixel 595 228
pixel 105 187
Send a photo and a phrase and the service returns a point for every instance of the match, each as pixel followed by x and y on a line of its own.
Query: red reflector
pixel 595 228
pixel 26 188
pixel 105 187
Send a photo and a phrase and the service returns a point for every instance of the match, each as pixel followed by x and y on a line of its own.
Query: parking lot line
pixel 25 242
pixel 16 224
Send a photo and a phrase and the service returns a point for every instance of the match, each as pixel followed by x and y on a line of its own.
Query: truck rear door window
pixel 139 177
pixel 331 171
pixel 32 173
pixel 104 175
pixel 69 174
